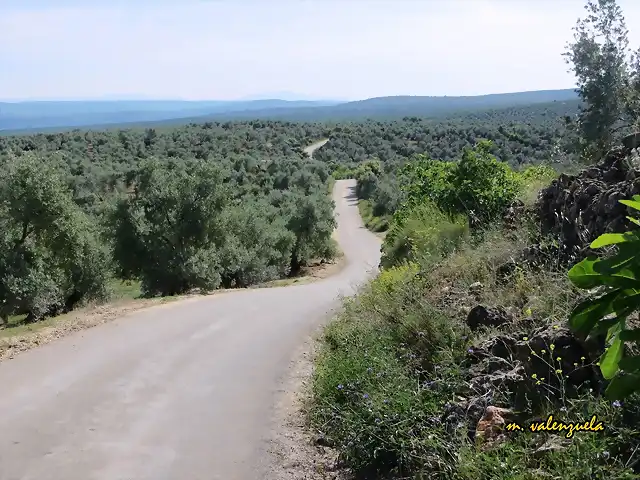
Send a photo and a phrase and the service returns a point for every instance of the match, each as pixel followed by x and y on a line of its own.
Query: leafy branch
pixel 618 279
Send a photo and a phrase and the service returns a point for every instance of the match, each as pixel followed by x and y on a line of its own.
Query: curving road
pixel 182 391
pixel 315 146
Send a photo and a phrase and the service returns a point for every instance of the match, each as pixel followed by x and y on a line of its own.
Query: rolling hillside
pixel 400 106
pixel 56 114
pixel 41 116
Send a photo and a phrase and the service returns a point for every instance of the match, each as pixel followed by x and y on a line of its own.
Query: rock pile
pixel 579 208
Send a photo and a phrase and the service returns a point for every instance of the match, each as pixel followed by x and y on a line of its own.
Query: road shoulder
pixel 294 451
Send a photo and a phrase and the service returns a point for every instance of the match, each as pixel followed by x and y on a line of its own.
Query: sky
pixel 330 49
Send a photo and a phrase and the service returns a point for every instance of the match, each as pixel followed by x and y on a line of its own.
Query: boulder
pixel 481 316
pixel 490 428
pixel 631 141
pixel 515 361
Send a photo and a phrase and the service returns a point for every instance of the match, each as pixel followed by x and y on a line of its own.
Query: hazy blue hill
pixel 29 116
pixel 400 106
pixel 51 114
pixel 291 96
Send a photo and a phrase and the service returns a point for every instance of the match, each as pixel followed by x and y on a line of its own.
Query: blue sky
pixel 230 49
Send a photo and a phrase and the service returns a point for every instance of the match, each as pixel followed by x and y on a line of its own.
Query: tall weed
pixel 426 232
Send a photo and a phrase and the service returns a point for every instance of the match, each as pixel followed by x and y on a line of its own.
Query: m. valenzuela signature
pixel 551 425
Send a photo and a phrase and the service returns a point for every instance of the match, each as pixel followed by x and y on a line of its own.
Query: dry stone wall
pixel 577 209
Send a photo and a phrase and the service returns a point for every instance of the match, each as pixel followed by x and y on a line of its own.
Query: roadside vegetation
pixel 508 294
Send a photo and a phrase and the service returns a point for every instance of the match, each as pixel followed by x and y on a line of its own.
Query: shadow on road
pixel 351 197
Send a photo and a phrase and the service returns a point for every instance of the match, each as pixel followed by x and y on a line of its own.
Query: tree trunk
pixel 295 265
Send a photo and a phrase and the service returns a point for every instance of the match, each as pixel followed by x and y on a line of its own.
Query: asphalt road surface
pixel 315 146
pixel 182 391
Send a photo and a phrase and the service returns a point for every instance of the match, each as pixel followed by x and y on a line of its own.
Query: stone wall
pixel 577 209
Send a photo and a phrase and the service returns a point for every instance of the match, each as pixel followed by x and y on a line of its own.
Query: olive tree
pixel 607 76
pixel 167 231
pixel 51 257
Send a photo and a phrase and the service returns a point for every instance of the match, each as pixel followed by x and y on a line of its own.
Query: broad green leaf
pixel 626 278
pixel 603 326
pixel 630 364
pixel 634 220
pixel 627 302
pixel 583 275
pixel 622 386
pixel 616 328
pixel 592 272
pixel 611 239
pixel 610 358
pixel 587 313
pixel 627 255
pixel 610 326
pixel 632 335
pixel 635 203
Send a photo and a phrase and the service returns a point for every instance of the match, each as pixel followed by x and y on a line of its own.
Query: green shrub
pixel 367 176
pixel 371 221
pixel 426 179
pixel 366 399
pixel 168 232
pixel 257 246
pixel 311 220
pixel 483 186
pixel 378 224
pixel 341 172
pixel 426 232
pixel 387 197
pixel 478 186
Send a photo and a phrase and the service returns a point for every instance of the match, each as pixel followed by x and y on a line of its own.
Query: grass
pixel 395 389
pixel 125 290
pixel 369 398
pixel 16 326
pixel 120 292
pixel 373 223
pixel 426 233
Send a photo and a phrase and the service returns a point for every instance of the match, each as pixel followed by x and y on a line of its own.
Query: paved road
pixel 315 146
pixel 182 391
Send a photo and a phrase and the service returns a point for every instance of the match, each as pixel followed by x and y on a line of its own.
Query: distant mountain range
pixel 290 96
pixel 48 115
pixel 57 114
